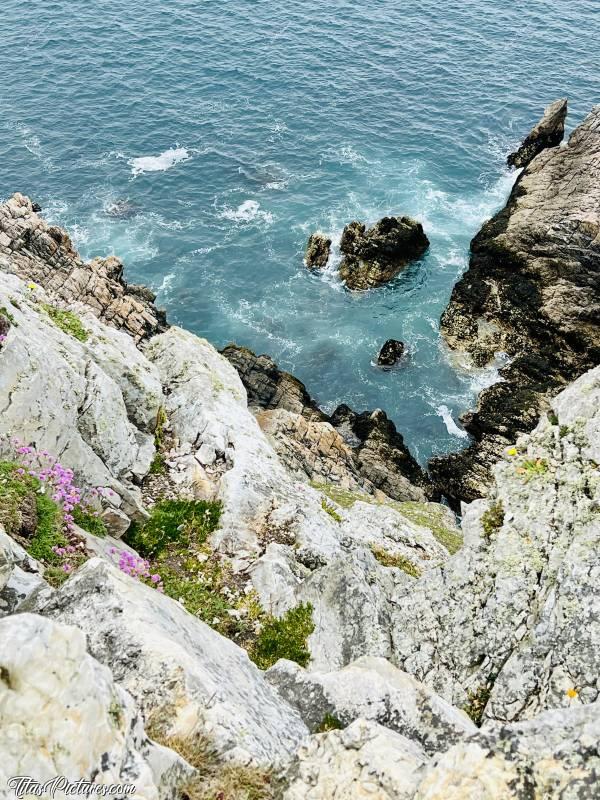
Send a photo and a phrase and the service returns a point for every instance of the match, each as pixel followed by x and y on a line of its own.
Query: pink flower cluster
pixel 51 473
pixel 137 567
pixel 2 337
pixel 70 555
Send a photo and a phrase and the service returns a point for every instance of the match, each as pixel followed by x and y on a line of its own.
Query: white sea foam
pixel 248 211
pixel 444 412
pixel 159 163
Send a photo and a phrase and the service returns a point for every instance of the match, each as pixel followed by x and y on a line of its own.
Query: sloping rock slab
pixel 177 668
pixel 61 714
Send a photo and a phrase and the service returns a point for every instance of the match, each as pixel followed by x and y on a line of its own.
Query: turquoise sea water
pixel 236 128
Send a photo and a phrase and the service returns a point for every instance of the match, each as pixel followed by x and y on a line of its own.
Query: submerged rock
pixel 532 291
pixel 548 132
pixel 318 250
pixel 390 353
pixel 376 255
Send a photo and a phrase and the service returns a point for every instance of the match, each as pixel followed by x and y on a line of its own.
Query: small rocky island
pixel 212 589
pixel 371 256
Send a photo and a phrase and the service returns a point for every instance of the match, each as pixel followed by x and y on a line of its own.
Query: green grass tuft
pixel 387 559
pixel 181 521
pixel 492 519
pixel 67 321
pixel 330 510
pixel 329 723
pixel 284 638
pixel 89 522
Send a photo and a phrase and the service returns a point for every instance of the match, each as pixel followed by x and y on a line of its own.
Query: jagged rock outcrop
pixel 90 399
pixel 532 290
pixel 375 255
pixel 391 352
pixel 508 627
pixel 372 689
pixel 553 756
pixel 318 250
pixel 269 387
pixel 36 251
pixel 183 674
pixel 62 714
pixel 548 132
pixel 380 460
pixel 381 454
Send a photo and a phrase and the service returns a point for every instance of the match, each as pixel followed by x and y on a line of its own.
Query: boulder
pixel 390 353
pixel 548 132
pixel 21 577
pixel 373 689
pixel 62 714
pixel 375 255
pixel 181 672
pixel 318 250
pixel 532 291
pixel 364 760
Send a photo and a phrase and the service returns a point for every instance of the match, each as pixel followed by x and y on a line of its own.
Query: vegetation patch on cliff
pixel 67 321
pixel 492 519
pixel 285 637
pixel 387 559
pixel 175 541
pixel 215 779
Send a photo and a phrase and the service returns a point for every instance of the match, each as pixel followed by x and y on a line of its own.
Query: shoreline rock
pixel 381 460
pixel 548 132
pixel 532 291
pixel 391 352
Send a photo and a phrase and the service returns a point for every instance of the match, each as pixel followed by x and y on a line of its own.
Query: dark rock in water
pixel 376 255
pixel 390 353
pixel 381 454
pixel 317 251
pixel 121 209
pixel 269 387
pixel 548 132
pixel 378 450
pixel 532 290
pixel 36 207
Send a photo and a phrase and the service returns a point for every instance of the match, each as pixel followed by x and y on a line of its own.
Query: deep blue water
pixel 263 121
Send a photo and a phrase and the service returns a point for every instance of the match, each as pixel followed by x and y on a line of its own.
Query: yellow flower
pixel 512 451
pixel 572 693
pixel 31 285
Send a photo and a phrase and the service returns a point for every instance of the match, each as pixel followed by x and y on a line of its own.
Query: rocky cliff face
pixel 311 635
pixel 532 290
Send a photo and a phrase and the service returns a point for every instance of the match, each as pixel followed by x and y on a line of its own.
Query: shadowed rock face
pixel 532 290
pixel 374 256
pixel 548 132
pixel 317 251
